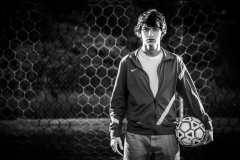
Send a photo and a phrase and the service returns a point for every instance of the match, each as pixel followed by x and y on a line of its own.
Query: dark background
pixel 59 60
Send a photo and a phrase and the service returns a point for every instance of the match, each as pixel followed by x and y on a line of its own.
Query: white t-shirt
pixel 150 65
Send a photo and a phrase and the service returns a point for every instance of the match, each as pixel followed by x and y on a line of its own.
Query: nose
pixel 150 33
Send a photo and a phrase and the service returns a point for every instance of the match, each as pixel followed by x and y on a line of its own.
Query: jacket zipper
pixel 154 98
pixel 155 115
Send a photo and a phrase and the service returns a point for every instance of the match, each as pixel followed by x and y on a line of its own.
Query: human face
pixel 151 37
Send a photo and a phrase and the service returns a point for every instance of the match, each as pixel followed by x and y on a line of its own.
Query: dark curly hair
pixel 151 18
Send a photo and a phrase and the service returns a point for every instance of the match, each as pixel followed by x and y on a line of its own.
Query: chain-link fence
pixel 59 60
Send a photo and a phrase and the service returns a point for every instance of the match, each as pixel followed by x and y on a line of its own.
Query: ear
pixel 162 36
pixel 139 35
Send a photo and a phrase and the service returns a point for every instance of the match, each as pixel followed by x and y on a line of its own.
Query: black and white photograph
pixel 119 80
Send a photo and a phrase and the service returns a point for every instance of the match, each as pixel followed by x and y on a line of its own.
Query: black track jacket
pixel 146 114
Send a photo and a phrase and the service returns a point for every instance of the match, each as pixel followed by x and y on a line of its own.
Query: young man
pixel 145 88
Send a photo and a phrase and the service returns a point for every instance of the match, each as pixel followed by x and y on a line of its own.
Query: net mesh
pixel 59 61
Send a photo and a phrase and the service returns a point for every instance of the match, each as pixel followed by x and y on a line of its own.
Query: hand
pixel 208 137
pixel 114 144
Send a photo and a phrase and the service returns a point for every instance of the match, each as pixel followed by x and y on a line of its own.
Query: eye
pixel 145 29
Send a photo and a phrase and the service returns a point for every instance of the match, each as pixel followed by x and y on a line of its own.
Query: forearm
pixel 192 102
pixel 118 107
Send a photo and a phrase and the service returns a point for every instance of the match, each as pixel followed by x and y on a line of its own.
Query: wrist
pixel 208 125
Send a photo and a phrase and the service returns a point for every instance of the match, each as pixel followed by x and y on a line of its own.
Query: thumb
pixel 120 144
pixel 206 138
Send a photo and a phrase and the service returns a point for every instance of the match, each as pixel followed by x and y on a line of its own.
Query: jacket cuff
pixel 114 134
pixel 208 125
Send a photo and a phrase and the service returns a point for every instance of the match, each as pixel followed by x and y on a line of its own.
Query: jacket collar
pixel 166 54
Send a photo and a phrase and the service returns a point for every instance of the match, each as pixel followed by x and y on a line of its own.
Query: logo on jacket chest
pixel 132 70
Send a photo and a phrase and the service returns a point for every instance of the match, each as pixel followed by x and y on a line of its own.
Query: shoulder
pixel 173 55
pixel 129 56
pixel 126 59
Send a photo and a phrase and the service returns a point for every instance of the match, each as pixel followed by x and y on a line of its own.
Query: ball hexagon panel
pixel 199 133
pixel 186 141
pixel 185 126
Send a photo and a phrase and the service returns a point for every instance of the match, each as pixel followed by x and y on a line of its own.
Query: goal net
pixel 59 61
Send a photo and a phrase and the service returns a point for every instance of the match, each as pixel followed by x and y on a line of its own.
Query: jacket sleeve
pixel 118 106
pixel 187 90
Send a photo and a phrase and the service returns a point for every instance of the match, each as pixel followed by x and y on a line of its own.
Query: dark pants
pixel 142 147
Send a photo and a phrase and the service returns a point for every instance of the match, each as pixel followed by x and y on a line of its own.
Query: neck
pixel 151 51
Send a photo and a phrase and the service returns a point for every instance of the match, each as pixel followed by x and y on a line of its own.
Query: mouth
pixel 150 40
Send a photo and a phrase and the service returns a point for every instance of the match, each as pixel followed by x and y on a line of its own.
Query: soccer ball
pixel 190 131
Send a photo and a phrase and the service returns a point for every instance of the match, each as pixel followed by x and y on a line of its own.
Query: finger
pixel 118 152
pixel 210 139
pixel 113 148
pixel 205 139
pixel 211 136
pixel 116 148
pixel 120 145
pixel 199 144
